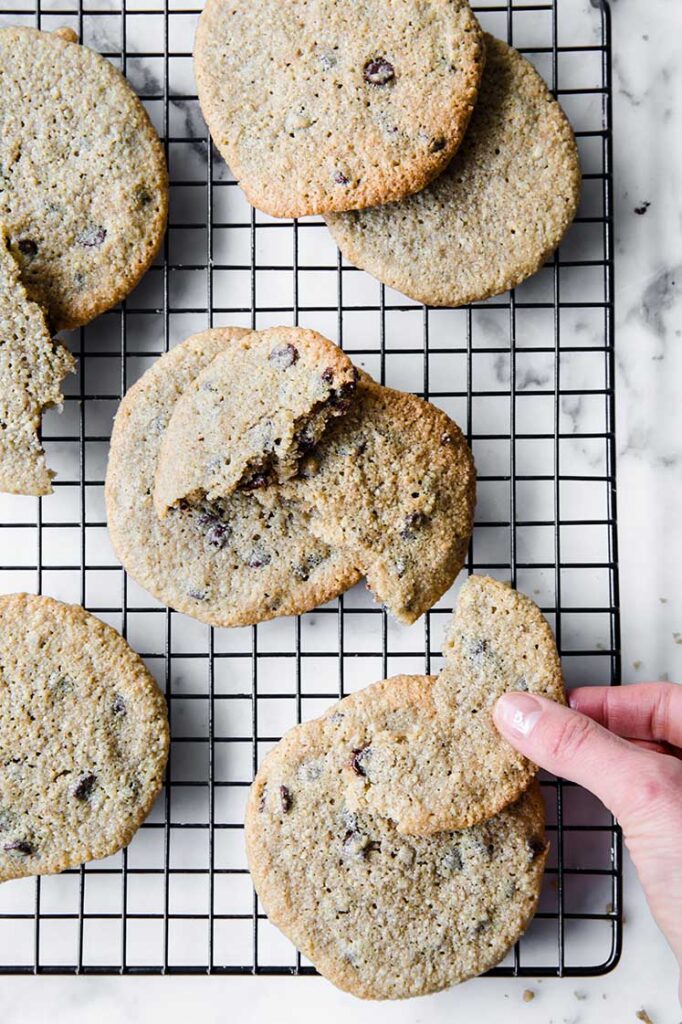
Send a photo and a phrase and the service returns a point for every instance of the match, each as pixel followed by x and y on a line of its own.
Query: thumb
pixel 569 744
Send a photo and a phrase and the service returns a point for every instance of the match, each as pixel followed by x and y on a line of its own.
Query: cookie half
pixel 380 914
pixel 228 563
pixel 83 181
pixel 249 416
pixel 32 368
pixel 83 737
pixel 321 105
pixel 498 211
pixel 445 765
pixel 392 484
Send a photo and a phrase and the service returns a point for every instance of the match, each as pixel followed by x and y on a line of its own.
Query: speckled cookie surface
pixel 230 563
pixel 323 105
pixel 32 368
pixel 83 182
pixel 248 417
pixel 497 212
pixel 382 915
pixel 445 765
pixel 83 737
pixel 392 483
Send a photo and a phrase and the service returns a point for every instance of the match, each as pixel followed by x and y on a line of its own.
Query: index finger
pixel 644 711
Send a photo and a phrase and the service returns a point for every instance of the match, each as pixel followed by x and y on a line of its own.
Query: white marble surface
pixel 648 168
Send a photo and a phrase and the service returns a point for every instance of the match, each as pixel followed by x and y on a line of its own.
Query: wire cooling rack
pixel 528 375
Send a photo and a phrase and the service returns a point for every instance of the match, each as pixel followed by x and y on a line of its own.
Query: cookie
pixel 231 563
pixel 321 105
pixel 446 766
pixel 247 418
pixel 83 738
pixel 83 182
pixel 380 914
pixel 498 211
pixel 31 370
pixel 392 484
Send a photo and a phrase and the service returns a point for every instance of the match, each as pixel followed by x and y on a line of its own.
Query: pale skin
pixel 624 744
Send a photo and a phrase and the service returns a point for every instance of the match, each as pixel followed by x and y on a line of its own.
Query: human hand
pixel 624 744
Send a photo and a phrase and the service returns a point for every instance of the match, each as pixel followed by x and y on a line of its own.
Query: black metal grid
pixel 539 416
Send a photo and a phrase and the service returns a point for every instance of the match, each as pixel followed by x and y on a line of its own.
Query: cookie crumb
pixel 580 994
pixel 643 1016
pixel 637 665
pixel 528 995
pixel 69 35
pixel 641 210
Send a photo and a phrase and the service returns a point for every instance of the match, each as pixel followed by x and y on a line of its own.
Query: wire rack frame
pixel 157 907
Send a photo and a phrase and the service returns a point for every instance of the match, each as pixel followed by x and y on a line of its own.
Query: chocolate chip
pixel 447 439
pixel 413 521
pixel 19 846
pixel 255 482
pixel 378 71
pixel 92 238
pixel 328 375
pixel 284 356
pixel 340 396
pixel 83 790
pixel 339 178
pixel 119 705
pixel 437 145
pixel 641 210
pixel 536 847
pixel 285 799
pixel 257 559
pixel 27 247
pixel 356 761
pixel 217 532
pixel 477 648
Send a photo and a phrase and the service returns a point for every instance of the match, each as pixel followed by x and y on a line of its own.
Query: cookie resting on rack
pixel 83 181
pixel 227 563
pixel 83 738
pixel 498 211
pixel 380 914
pixel 321 105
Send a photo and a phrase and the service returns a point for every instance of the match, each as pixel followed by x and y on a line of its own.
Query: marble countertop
pixel 648 175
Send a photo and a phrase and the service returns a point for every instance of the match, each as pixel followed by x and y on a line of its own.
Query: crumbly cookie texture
pixel 228 563
pixel 32 368
pixel 445 765
pixel 393 484
pixel 321 105
pixel 380 914
pixel 83 181
pixel 497 212
pixel 246 420
pixel 83 737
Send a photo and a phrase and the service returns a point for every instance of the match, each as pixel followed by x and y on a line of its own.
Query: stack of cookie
pixel 399 841
pixel 83 206
pixel 440 159
pixel 255 474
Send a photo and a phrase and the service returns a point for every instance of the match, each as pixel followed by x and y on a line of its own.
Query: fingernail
pixel 517 713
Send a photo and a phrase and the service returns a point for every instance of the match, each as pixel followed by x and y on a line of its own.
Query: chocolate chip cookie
pixel 32 367
pixel 321 105
pixel 380 914
pixel 392 484
pixel 83 182
pixel 444 765
pixel 227 563
pixel 246 420
pixel 497 212
pixel 83 737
